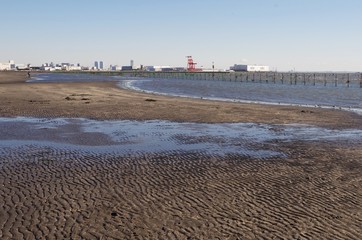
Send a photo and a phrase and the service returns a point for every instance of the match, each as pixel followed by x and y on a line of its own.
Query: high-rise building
pixel 101 64
pixel 96 64
pixel 132 63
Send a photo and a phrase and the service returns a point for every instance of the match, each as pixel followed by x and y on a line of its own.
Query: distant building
pixel 96 65
pixel 179 69
pixel 8 66
pixel 21 67
pixel 101 65
pixel 50 69
pixel 115 68
pixel 149 68
pixel 127 68
pixel 73 68
pixel 165 69
pixel 162 68
pixel 4 66
pixel 65 64
pixel 250 68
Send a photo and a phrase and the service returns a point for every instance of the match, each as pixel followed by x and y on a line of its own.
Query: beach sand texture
pixel 104 100
pixel 314 194
pixel 49 192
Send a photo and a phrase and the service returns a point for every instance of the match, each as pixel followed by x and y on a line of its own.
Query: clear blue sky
pixel 313 35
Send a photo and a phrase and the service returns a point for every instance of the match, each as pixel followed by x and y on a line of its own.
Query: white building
pixel 72 68
pixel 250 68
pixel 4 66
pixel 159 68
pixel 51 69
pixel 7 66
pixel 115 68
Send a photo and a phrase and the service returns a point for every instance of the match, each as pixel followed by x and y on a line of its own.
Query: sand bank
pixel 59 193
pixel 104 100
pixel 312 190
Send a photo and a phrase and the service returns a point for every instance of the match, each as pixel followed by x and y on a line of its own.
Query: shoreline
pixel 345 109
pixel 128 86
pixel 105 100
pixel 86 179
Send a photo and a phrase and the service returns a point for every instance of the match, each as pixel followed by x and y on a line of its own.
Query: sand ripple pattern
pixel 55 193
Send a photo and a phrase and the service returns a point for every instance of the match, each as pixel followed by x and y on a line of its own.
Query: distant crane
pixel 191 65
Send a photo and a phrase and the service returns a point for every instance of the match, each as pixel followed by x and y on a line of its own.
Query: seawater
pixel 70 77
pixel 288 94
pixel 133 137
pixel 348 98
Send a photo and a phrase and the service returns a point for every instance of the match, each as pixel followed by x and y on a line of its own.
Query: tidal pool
pixel 131 137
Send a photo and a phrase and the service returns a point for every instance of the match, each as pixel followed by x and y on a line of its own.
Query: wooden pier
pixel 291 78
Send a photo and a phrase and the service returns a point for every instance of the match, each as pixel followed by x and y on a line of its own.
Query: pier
pixel 291 78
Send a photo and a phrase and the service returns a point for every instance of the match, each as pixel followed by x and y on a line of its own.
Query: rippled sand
pixel 57 193
pixel 57 184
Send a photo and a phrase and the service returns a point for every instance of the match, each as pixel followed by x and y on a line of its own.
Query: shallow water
pixel 66 77
pixel 305 95
pixel 132 137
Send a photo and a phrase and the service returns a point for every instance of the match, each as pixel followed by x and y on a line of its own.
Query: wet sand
pixel 314 192
pixel 104 100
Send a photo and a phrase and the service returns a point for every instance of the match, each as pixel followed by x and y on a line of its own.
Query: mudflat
pixel 104 100
pixel 313 192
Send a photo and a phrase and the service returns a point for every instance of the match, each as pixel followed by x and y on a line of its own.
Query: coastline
pixel 63 180
pixel 128 85
pixel 105 100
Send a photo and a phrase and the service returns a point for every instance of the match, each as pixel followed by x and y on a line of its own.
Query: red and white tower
pixel 191 65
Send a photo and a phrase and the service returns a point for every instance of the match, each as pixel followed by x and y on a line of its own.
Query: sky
pixel 300 35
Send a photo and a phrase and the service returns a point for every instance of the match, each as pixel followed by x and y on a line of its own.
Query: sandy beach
pixel 314 192
pixel 104 100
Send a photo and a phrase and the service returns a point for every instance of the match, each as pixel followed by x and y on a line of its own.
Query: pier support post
pixel 314 79
pixel 348 80
pixel 304 79
pixel 274 77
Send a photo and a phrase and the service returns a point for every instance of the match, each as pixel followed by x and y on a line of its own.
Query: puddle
pixel 129 137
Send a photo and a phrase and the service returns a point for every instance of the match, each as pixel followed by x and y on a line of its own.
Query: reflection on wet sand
pixel 75 178
pixel 124 137
pixel 80 178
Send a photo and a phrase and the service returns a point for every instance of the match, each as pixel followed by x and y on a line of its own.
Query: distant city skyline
pixel 309 35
